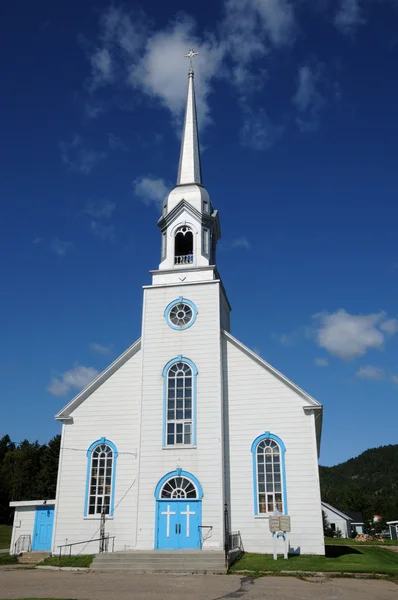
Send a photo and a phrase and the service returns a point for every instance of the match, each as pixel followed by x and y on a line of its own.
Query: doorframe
pixel 35 524
pixel 161 482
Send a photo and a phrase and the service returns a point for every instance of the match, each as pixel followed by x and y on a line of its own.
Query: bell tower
pixel 189 225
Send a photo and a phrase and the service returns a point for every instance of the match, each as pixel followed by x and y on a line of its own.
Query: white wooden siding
pixel 338 521
pixel 23 524
pixel 258 402
pixel 112 412
pixel 201 344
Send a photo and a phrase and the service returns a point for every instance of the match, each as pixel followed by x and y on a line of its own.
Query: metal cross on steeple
pixel 190 55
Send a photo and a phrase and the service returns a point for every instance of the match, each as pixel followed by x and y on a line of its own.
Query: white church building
pixel 189 435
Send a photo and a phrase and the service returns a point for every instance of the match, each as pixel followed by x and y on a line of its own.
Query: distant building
pixel 393 526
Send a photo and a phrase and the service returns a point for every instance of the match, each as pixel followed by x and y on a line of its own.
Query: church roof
pixel 98 381
pixel 312 404
pixel 189 169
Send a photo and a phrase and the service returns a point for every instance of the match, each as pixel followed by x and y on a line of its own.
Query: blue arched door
pixel 178 512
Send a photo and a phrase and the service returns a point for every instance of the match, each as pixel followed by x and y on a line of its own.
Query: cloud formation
pixel 76 378
pixel 321 362
pixel 349 16
pixel 61 247
pixel 151 190
pixel 78 157
pixel 370 372
pixel 308 100
pixel 100 210
pixel 349 336
pixel 99 348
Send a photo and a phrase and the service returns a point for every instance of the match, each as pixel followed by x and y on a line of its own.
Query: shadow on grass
pixel 337 551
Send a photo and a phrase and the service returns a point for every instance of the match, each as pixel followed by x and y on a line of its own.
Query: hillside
pixel 367 483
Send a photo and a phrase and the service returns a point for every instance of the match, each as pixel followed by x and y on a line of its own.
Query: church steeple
pixel 189 170
pixel 189 224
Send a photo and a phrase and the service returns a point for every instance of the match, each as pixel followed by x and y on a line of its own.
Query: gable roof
pixel 66 412
pixel 312 404
pixel 336 511
pixel 356 517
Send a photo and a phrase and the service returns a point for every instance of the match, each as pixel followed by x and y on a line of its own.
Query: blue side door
pixel 189 521
pixel 168 526
pixel 43 529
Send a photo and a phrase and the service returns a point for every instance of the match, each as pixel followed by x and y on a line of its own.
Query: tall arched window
pixel 179 403
pixel 101 472
pixel 183 246
pixel 269 474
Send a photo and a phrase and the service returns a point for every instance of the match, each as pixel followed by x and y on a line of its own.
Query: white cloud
pixel 349 336
pixel 100 348
pixel 348 16
pixel 76 156
pixel 370 372
pixel 390 326
pixel 308 99
pixel 151 190
pixel 241 242
pixel 321 362
pixel 102 209
pixel 115 143
pixel 76 378
pixel 258 132
pixel 394 378
pixel 105 232
pixel 61 247
pixel 102 69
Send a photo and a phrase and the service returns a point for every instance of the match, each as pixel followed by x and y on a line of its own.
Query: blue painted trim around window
pixel 171 362
pixel 268 436
pixel 102 440
pixel 178 473
pixel 170 306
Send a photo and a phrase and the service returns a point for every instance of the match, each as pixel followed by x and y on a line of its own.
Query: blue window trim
pixel 171 362
pixel 178 473
pixel 269 436
pixel 170 306
pixel 102 440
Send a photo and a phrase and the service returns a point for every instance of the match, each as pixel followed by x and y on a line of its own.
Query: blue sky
pixel 297 109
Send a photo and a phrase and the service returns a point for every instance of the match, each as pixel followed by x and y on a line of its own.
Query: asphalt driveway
pixel 37 583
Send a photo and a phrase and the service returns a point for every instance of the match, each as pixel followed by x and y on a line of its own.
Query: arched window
pixel 183 246
pixel 101 471
pixel 179 403
pixel 178 487
pixel 269 474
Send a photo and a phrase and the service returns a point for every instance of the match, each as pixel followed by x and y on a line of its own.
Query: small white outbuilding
pixel 33 525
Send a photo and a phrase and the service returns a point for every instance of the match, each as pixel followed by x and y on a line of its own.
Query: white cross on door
pixel 188 513
pixel 168 513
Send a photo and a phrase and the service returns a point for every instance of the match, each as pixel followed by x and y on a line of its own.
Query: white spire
pixel 189 170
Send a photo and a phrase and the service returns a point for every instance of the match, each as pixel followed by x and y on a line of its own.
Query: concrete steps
pixel 32 558
pixel 153 561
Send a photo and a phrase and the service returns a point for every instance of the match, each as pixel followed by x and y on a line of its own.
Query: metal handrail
pixel 21 541
pixel 100 539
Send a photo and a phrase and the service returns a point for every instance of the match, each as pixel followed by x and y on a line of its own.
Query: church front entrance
pixel 178 512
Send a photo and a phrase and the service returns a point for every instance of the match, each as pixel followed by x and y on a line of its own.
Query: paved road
pixel 126 586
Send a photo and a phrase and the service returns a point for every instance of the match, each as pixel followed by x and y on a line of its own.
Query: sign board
pixel 279 523
pixel 274 524
pixel 284 523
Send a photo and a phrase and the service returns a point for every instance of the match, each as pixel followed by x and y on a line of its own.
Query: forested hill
pixel 367 483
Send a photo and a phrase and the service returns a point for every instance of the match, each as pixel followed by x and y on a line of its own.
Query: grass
pixel 82 560
pixel 5 536
pixel 341 559
pixel 7 559
pixel 350 542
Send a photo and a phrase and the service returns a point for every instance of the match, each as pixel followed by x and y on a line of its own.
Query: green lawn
pixel 338 558
pixel 350 542
pixel 83 560
pixel 5 536
pixel 7 559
